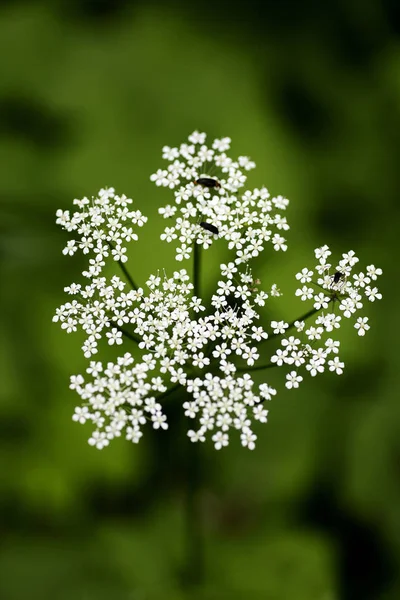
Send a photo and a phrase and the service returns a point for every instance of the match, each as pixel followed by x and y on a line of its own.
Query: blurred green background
pixel 89 93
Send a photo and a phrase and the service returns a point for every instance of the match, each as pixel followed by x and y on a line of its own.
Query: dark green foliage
pixel 89 93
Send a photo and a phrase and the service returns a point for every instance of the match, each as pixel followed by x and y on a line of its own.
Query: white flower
pixel 251 355
pixel 248 438
pixel 314 333
pixel 197 138
pixel 160 178
pixel 159 420
pixel 279 327
pixel 305 292
pixel 373 294
pixel 99 439
pixel 305 275
pixel 361 280
pixel 201 361
pixel 220 440
pixel 266 391
pixel 322 254
pixel 81 414
pixel 133 434
pixel 89 347
pixel 196 436
pixel 291 343
pixel 170 153
pixel 222 145
pixel 336 365
pixel 315 366
pixel 348 307
pixel 281 357
pixel 279 242
pixel 114 336
pixel 349 258
pixel 374 272
pixel 70 248
pixel 260 413
pixel 293 380
pixel 321 301
pixel 332 345
pixel 362 325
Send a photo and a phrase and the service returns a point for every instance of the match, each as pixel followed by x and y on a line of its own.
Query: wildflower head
pixel 208 353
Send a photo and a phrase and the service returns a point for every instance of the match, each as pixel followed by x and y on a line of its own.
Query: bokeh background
pixel 89 93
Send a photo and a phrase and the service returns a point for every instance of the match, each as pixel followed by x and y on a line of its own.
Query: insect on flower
pixel 338 277
pixel 209 227
pixel 208 182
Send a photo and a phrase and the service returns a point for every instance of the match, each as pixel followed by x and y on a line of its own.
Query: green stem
pixel 255 368
pixel 127 275
pixel 196 269
pixel 193 571
pixel 131 336
pixel 171 390
pixel 124 270
pixel 194 548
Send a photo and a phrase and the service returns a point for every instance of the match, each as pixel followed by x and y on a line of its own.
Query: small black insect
pixel 209 227
pixel 208 182
pixel 338 276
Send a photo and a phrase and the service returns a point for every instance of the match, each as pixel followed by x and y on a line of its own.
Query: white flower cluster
pixel 102 224
pixel 180 343
pixel 203 357
pixel 119 399
pixel 224 403
pixel 340 287
pixel 103 227
pixel 207 208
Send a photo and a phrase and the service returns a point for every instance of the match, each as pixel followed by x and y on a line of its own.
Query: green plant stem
pixel 196 269
pixel 255 368
pixel 124 270
pixel 131 336
pixel 127 275
pixel 193 571
pixel 171 390
pixel 194 554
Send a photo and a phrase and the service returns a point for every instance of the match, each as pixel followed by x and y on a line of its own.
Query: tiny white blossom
pixel 373 294
pixel 322 254
pixel 81 414
pixel 336 365
pixel 374 272
pixel 114 336
pixel 159 420
pixel 305 275
pixel 293 380
pixel 248 438
pixel 99 439
pixel 220 440
pixel 362 325
pixel 279 327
